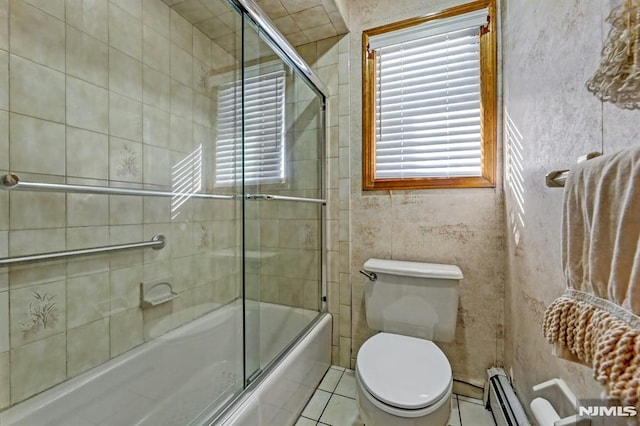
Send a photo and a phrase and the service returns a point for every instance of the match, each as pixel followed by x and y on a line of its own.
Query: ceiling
pixel 300 21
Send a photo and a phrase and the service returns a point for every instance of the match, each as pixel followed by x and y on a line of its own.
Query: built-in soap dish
pixel 154 293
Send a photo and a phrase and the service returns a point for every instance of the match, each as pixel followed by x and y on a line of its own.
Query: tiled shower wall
pixel 283 238
pixel 108 93
pixel 329 58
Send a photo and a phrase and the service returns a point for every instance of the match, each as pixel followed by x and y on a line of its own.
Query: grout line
pixel 459 411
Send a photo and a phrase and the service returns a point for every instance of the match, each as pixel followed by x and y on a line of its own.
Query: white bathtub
pixel 188 373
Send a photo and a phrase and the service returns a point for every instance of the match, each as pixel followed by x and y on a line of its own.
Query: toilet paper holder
pixel 561 400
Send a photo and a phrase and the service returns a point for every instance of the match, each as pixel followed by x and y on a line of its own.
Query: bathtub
pixel 187 375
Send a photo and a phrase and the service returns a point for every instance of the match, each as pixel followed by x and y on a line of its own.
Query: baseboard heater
pixel 502 400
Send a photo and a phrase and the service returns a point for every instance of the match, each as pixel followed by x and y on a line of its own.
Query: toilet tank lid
pixel 413 269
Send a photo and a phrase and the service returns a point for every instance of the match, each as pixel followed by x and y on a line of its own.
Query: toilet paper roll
pixel 544 412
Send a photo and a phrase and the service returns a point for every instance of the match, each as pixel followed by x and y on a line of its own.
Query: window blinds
pixel 264 131
pixel 428 101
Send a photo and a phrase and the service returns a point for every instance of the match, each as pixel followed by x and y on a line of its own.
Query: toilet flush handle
pixel 371 275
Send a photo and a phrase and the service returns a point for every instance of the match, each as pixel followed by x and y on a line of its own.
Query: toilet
pixel 402 377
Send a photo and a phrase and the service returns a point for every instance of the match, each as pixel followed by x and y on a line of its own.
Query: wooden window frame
pixel 488 107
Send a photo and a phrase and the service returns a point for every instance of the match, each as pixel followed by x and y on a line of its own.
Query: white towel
pixel 601 228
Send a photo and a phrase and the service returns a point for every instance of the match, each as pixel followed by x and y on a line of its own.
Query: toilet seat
pixel 403 373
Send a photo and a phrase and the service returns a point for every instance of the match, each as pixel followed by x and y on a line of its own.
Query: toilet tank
pixel 413 298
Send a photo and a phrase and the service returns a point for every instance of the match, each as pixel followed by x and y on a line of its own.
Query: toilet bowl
pixel 402 381
pixel 402 377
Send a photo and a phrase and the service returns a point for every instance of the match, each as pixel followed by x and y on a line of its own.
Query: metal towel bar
pixel 557 178
pixel 157 242
pixel 12 182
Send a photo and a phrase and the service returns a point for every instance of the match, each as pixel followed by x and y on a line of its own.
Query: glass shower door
pixel 282 173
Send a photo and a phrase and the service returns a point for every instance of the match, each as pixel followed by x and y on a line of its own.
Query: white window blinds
pixel 428 99
pixel 264 131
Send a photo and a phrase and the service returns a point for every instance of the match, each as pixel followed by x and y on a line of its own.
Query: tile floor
pixel 334 404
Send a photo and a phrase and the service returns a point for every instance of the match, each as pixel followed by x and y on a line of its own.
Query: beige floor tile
pixel 330 380
pixel 347 385
pixel 341 411
pixel 316 405
pixel 474 414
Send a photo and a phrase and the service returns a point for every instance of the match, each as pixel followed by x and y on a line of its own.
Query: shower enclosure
pixel 162 212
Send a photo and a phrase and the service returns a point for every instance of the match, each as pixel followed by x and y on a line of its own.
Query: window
pixel 429 101
pixel 264 131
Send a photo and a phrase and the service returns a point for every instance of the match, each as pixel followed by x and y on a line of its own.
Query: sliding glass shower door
pixel 283 155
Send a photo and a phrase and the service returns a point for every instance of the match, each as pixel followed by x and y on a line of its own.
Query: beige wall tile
pixel 125 289
pixel 87 57
pixel 181 100
pixel 5 380
pixel 126 331
pixel 4 146
pixel 125 210
pixel 87 299
pixel 156 51
pixel 125 160
pixel 156 126
pixel 134 7
pixel 37 312
pixel 125 75
pixel 4 24
pixel 23 242
pixel 4 80
pixel 121 235
pixel 36 90
pixel 37 366
pixel 34 210
pixel 181 32
pixel 182 134
pixel 125 32
pixel 125 117
pixel 52 7
pixel 157 210
pixel 87 154
pixel 36 145
pixel 156 89
pixel 37 35
pixel 87 346
pixel 4 321
pixel 4 252
pixel 201 46
pixel 181 65
pixel 87 106
pixel 85 237
pixel 157 166
pixel 90 16
pixel 155 14
pixel 88 209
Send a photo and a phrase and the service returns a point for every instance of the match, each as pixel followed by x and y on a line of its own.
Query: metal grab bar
pixel 12 182
pixel 285 198
pixel 157 242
